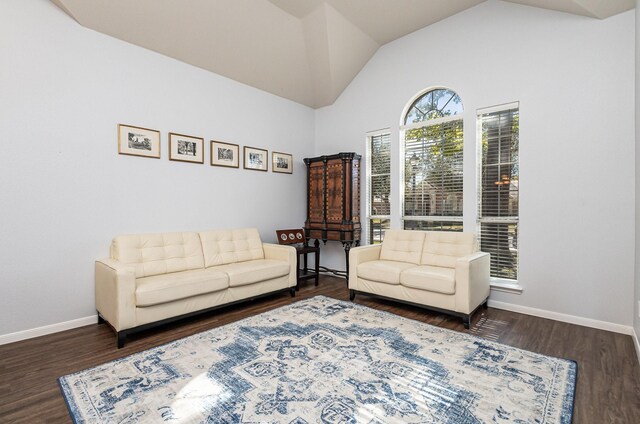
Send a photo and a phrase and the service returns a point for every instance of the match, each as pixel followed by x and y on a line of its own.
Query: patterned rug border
pixel 571 388
pixel 63 388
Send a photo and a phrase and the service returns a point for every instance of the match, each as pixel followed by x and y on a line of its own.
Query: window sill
pixel 506 286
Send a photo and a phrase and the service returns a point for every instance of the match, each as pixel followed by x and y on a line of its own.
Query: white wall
pixel 574 78
pixel 66 192
pixel 636 303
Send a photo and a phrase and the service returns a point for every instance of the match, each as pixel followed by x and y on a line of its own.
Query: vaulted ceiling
pixel 307 51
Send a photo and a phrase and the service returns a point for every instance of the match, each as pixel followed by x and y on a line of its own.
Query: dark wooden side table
pixel 305 273
pixel 297 239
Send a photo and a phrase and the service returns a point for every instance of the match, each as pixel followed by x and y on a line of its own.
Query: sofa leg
pixel 101 320
pixel 121 335
pixel 352 295
pixel 485 305
pixel 466 320
pixel 292 291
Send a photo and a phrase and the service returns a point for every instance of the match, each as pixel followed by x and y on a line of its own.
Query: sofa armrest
pixel 358 255
pixel 116 293
pixel 472 281
pixel 283 253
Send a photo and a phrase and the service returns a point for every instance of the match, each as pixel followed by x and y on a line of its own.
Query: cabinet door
pixel 355 191
pixel 316 193
pixel 335 187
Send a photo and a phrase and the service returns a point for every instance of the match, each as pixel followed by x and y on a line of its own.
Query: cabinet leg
pixel 317 266
pixel 347 248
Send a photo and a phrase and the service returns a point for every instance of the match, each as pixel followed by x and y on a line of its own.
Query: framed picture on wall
pixel 185 148
pixel 138 141
pixel 281 162
pixel 256 159
pixel 225 154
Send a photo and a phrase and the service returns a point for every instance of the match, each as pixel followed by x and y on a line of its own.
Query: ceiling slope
pixel 307 51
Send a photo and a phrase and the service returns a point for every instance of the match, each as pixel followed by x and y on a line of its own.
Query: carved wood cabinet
pixel 333 199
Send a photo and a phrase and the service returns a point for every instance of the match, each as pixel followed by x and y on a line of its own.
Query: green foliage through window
pixel 433 105
pixel 433 162
pixel 379 186
pixel 498 206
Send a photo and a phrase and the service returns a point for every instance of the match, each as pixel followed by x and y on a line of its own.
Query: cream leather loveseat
pixel 439 270
pixel 151 279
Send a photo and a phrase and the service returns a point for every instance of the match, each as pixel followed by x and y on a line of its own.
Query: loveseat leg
pixel 352 295
pixel 101 320
pixel 292 291
pixel 466 320
pixel 485 305
pixel 121 335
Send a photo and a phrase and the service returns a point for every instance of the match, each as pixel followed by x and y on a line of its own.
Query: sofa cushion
pixel 159 253
pixel 250 272
pixel 178 285
pixel 383 271
pixel 402 246
pixel 430 278
pixel 443 248
pixel 228 246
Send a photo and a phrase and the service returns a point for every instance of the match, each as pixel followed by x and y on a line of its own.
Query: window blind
pixel 433 183
pixel 379 185
pixel 499 177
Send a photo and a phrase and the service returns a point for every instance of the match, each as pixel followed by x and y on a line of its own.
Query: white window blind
pixel 433 164
pixel 378 185
pixel 499 189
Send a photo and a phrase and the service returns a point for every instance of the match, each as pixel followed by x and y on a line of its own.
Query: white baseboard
pixel 587 322
pixel 571 319
pixel 47 329
pixel 636 343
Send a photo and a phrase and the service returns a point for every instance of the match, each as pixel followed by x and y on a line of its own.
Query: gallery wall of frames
pixel 145 142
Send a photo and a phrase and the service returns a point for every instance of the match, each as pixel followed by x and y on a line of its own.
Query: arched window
pixel 433 158
pixel 434 104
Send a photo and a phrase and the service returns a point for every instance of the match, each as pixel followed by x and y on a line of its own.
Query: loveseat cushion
pixel 222 247
pixel 178 285
pixel 402 246
pixel 158 253
pixel 443 248
pixel 430 278
pixel 383 271
pixel 250 272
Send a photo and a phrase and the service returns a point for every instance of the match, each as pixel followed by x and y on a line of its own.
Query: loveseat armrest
pixel 116 293
pixel 358 255
pixel 283 253
pixel 472 281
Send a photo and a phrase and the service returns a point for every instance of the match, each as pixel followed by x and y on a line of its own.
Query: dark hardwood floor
pixel 608 384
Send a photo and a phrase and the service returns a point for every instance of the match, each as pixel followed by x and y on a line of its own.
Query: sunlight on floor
pixel 426 394
pixel 489 328
pixel 189 401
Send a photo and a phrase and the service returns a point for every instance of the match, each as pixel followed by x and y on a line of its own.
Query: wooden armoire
pixel 333 200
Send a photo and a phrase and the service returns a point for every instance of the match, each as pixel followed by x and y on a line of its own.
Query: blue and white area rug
pixel 326 361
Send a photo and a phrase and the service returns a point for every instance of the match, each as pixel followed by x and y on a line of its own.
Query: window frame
pixel 402 150
pixel 497 283
pixel 369 206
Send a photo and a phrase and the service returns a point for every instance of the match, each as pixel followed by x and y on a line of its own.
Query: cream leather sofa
pixel 442 271
pixel 151 279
